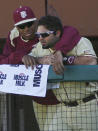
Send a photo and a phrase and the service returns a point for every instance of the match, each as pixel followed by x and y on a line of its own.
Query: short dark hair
pixel 52 23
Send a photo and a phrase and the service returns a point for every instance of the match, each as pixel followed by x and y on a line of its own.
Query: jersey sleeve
pixel 83 48
pixel 10 55
pixel 7 50
pixel 69 40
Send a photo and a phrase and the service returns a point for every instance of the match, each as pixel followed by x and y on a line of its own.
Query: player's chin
pixel 45 47
pixel 43 43
pixel 28 37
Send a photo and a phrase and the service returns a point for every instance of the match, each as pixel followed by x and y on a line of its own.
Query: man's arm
pixel 68 41
pixel 8 48
pixel 58 61
pixel 28 60
pixel 10 55
pixel 85 60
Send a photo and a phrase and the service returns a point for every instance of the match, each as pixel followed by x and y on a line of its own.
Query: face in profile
pixel 48 38
pixel 27 30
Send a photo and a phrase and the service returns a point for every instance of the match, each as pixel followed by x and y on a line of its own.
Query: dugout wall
pixel 79 13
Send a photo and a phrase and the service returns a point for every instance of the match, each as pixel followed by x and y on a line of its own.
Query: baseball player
pixel 73 106
pixel 22 38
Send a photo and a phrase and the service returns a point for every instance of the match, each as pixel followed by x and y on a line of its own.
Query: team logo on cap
pixel 23 14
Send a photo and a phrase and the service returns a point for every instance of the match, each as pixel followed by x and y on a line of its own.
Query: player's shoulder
pixel 84 41
pixel 14 33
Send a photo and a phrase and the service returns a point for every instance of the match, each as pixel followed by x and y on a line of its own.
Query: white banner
pixel 17 79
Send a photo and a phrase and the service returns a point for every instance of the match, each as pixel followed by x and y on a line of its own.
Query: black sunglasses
pixel 45 34
pixel 28 24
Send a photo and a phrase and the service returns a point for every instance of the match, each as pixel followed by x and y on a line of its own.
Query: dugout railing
pixel 16 111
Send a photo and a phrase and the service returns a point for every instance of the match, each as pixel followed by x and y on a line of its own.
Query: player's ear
pixel 58 33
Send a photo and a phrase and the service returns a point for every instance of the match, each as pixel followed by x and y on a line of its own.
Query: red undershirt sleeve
pixel 68 40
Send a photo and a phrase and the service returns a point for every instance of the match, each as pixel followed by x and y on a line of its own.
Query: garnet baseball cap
pixel 23 15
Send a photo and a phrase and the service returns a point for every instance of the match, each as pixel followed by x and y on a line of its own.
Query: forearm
pixel 79 60
pixel 85 60
pixel 70 60
pixel 43 60
pixel 38 60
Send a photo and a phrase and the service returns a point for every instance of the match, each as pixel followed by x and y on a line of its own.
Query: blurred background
pixel 81 14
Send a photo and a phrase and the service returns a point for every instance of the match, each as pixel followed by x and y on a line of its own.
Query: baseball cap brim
pixel 25 21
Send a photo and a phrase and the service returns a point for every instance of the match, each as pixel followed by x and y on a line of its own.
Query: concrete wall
pixel 6 12
pixel 81 14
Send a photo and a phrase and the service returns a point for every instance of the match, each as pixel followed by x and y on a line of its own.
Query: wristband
pixel 68 60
